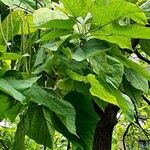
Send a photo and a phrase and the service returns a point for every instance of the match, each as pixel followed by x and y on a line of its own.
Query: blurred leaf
pixel 9 56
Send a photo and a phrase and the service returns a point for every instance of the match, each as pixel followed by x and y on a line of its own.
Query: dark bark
pixel 104 129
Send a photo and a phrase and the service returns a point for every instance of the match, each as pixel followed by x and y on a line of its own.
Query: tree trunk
pixel 104 129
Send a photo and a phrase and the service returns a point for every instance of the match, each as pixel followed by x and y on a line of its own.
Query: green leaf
pixel 145 46
pixel 86 121
pixel 136 80
pixel 122 9
pixel 90 48
pixel 131 31
pixel 39 57
pixel 99 63
pixel 10 90
pixel 100 89
pixel 116 69
pixel 55 34
pixel 132 65
pixel 21 85
pixel 61 128
pixel 52 17
pixel 132 92
pixel 9 56
pixel 77 7
pixel 26 4
pixel 12 112
pixel 56 104
pixel 75 76
pixel 121 41
pixel 9 27
pixel 121 35
pixel 58 24
pixel 20 136
pixel 5 104
pixel 106 92
pixel 39 127
pixel 110 94
pixel 2 48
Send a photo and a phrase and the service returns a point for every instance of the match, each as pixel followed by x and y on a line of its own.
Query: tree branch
pixel 124 135
pixel 141 57
pixel 97 109
pixel 145 99
pixel 68 145
pixel 138 55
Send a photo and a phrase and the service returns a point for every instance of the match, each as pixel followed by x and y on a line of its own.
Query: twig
pixel 26 10
pixel 138 55
pixel 44 147
pixel 136 117
pixel 124 135
pixel 141 57
pixel 145 99
pixel 97 109
pixel 68 146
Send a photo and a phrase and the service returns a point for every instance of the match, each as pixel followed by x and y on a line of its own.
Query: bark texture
pixel 104 129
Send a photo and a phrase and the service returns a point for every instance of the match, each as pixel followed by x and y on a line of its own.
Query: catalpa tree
pixel 67 66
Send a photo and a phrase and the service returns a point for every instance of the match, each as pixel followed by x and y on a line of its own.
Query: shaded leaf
pixel 56 104
pixel 136 80
pixel 20 136
pixel 86 121
pixel 145 46
pixel 39 127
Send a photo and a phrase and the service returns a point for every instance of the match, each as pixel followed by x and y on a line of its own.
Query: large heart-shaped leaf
pixel 56 104
pixel 39 127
